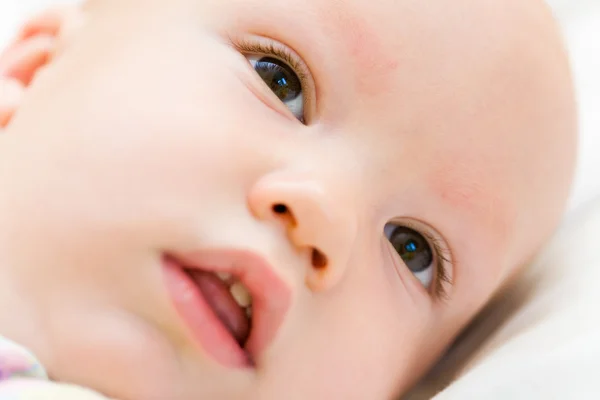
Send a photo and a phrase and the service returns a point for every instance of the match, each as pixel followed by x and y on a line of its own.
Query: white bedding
pixel 542 340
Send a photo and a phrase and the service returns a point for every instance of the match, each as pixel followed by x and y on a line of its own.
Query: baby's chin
pixel 122 356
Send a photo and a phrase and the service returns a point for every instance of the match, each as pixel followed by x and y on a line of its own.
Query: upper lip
pixel 271 296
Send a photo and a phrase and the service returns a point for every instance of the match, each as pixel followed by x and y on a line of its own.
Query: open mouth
pixel 232 301
pixel 229 299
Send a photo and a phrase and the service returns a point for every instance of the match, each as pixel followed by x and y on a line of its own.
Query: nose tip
pixel 314 221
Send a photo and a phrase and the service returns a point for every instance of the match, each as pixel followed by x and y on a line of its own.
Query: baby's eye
pixel 282 80
pixel 414 250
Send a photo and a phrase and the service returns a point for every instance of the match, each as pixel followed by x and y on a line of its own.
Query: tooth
pixel 224 276
pixel 240 294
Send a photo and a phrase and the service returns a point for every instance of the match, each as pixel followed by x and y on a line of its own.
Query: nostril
pixel 280 209
pixel 319 260
pixel 283 212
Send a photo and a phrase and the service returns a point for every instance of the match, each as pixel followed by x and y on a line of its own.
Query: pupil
pixel 411 246
pixel 282 80
pixel 280 86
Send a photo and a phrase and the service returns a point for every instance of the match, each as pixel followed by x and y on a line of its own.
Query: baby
pixel 270 199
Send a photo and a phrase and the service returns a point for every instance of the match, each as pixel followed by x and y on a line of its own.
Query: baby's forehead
pixel 381 41
pixel 378 42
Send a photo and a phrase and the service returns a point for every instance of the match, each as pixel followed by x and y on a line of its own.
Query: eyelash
pixel 273 49
pixel 444 263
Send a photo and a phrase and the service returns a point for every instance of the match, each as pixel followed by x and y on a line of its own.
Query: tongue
pixel 217 294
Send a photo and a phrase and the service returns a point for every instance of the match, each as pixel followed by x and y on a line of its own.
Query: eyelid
pixel 273 48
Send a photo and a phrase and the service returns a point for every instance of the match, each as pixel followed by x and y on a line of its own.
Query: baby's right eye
pixel 282 80
pixel 423 253
pixel 414 250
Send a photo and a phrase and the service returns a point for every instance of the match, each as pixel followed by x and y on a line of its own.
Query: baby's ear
pixel 37 43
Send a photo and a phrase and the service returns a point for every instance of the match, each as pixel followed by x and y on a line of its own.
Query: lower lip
pixel 207 329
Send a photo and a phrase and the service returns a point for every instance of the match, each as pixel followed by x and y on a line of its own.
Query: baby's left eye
pixel 282 80
pixel 414 250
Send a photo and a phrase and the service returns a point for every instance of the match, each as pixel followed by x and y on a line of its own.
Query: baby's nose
pixel 314 219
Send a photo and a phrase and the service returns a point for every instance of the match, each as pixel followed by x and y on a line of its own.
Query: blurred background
pixel 580 20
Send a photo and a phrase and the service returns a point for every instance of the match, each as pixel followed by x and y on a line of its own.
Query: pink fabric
pixel 20 372
pixel 16 361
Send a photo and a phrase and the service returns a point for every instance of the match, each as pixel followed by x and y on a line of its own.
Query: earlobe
pixel 34 47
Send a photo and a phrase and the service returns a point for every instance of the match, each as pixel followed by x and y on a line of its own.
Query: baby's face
pixel 370 171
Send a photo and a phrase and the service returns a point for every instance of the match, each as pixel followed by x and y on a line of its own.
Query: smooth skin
pixel 145 130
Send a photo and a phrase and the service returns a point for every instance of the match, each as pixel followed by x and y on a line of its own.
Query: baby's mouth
pixel 232 301
pixel 229 299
